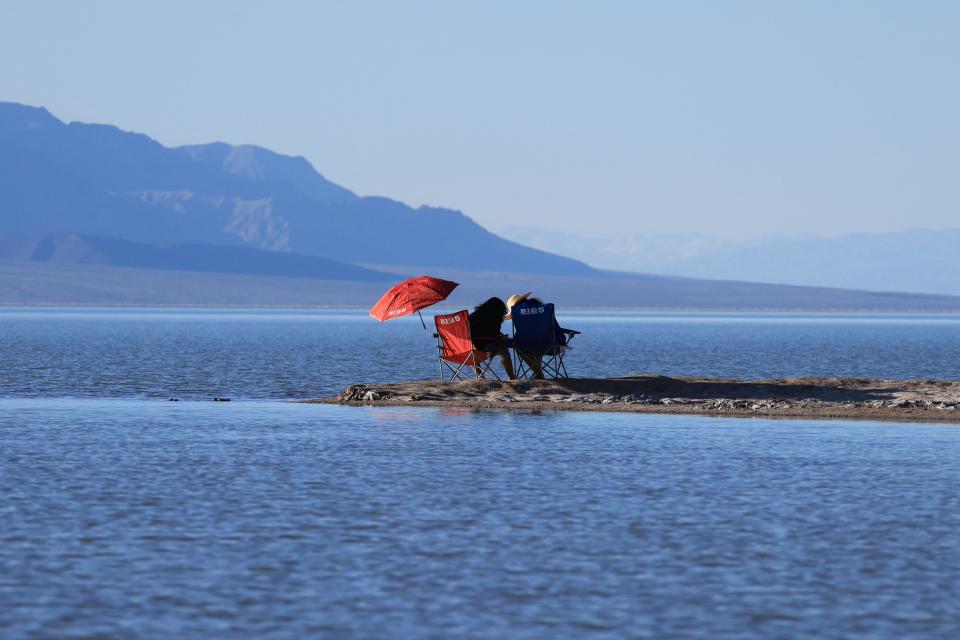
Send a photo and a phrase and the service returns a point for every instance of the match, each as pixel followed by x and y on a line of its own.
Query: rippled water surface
pixel 125 515
pixel 290 354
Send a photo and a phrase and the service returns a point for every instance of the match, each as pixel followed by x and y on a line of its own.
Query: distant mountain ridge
pixel 73 249
pixel 926 261
pixel 262 165
pixel 90 214
pixel 96 180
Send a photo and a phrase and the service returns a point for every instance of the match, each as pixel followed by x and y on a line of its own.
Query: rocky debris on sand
pixel 361 393
pixel 904 403
pixel 352 393
pixel 629 398
pixel 758 406
pixel 794 397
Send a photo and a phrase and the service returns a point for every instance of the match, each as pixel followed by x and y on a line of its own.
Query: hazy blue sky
pixel 725 118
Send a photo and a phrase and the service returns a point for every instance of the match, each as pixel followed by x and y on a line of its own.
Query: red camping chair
pixel 456 350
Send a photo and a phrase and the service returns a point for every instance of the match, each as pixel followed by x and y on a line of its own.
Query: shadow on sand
pixel 823 389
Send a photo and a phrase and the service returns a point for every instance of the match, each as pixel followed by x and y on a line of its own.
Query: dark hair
pixel 492 311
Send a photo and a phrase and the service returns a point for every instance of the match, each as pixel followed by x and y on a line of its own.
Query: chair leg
pixel 522 369
pixel 553 365
pixel 439 359
pixel 459 374
pixel 486 366
pixel 450 368
pixel 561 366
pixel 518 366
pixel 456 373
pixel 480 369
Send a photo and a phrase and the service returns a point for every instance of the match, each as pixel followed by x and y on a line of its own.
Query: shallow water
pixel 125 515
pixel 154 519
pixel 303 354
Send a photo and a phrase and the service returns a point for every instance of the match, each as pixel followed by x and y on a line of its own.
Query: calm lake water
pixel 125 515
pixel 291 354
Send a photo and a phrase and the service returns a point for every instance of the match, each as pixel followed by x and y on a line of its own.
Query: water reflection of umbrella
pixel 410 296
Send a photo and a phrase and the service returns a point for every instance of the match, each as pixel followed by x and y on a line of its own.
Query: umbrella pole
pixel 422 322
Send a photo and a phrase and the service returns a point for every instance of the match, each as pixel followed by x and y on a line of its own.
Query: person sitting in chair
pixel 534 360
pixel 485 322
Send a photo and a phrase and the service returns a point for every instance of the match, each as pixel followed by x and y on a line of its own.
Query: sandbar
pixel 810 398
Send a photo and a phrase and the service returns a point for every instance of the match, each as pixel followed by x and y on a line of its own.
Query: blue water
pixel 290 354
pixel 125 515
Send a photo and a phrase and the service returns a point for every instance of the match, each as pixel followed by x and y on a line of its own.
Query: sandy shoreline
pixel 812 398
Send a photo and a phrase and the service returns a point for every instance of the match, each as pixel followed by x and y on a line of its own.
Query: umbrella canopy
pixel 410 296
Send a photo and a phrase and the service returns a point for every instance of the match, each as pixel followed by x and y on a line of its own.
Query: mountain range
pixel 91 214
pixel 97 180
pixel 74 249
pixel 918 260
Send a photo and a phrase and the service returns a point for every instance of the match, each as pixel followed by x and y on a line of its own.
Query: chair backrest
pixel 533 326
pixel 454 332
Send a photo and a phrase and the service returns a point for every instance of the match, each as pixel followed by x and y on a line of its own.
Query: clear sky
pixel 603 118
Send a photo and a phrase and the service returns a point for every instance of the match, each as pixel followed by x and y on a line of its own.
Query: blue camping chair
pixel 537 336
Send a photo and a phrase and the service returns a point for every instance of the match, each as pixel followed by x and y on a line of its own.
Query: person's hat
pixel 515 300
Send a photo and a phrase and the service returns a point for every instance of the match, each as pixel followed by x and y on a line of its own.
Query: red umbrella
pixel 410 296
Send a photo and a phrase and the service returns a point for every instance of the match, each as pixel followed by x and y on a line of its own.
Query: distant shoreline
pixel 342 307
pixel 796 398
pixel 54 284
